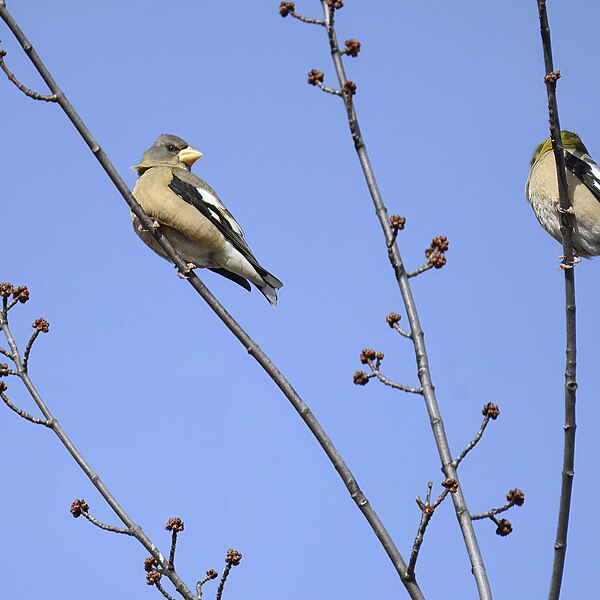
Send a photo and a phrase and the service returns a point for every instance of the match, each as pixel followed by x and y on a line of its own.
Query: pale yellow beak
pixel 189 155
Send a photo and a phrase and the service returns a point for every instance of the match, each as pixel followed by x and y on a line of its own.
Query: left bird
pixel 193 218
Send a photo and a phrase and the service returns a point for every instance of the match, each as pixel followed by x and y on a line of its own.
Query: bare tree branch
pixel 210 574
pixel 515 497
pixel 24 89
pixel 490 411
pixel 232 559
pixel 427 510
pixel 52 423
pixel 566 230
pixel 105 526
pixel 349 89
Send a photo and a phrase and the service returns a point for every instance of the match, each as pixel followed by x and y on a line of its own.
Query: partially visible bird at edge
pixel 583 186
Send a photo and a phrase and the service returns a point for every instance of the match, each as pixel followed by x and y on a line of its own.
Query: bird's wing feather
pixel 233 276
pixel 214 210
pixel 586 169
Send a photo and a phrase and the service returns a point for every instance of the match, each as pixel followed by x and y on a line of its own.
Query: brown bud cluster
pixel 78 507
pixel 314 76
pixel 440 242
pixel 349 88
pixel 352 47
pixel 41 325
pixel 150 563
pixel 516 496
pixel 3 369
pixel 285 8
pixel 153 577
pixel 504 528
pixel 552 77
pixel 491 410
pixel 436 258
pixel 360 378
pixel 335 4
pixel 435 252
pixel 21 293
pixel 211 574
pixel 3 387
pixel 233 557
pixel 451 485
pixel 6 289
pixel 397 222
pixel 392 319
pixel 366 355
pixel 174 524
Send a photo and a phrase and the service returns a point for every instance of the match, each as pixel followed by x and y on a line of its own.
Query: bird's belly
pixel 191 251
pixel 548 217
pixel 586 233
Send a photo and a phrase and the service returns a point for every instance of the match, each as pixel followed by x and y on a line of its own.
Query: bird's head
pixel 168 151
pixel 570 141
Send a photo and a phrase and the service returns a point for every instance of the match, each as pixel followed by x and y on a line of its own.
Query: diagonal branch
pixel 52 423
pixel 437 424
pixel 253 349
pixel 566 230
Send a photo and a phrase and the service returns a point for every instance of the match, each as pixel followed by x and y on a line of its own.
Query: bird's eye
pixel 171 148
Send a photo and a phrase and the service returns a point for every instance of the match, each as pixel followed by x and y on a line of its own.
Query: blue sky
pixel 166 405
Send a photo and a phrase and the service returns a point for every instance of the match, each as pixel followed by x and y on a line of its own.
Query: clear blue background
pixel 175 416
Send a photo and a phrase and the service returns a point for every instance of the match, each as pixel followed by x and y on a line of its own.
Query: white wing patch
pixel 220 213
pixel 592 180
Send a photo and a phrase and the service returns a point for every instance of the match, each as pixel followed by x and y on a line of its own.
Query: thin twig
pixel 22 413
pixel 13 302
pixel 254 350
pixel 493 511
pixel 104 526
pixel 328 89
pixel 389 382
pixel 210 574
pixel 24 89
pixel 6 372
pixel 162 590
pixel 398 386
pixel 423 370
pixel 32 339
pixel 223 580
pixel 401 331
pixel 427 510
pixel 472 443
pixel 424 267
pixel 566 230
pixel 307 19
pixel 6 353
pixel 173 547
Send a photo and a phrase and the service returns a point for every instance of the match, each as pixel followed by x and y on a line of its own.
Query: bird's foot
pixel 568 211
pixel 155 225
pixel 564 266
pixel 190 267
pixel 576 259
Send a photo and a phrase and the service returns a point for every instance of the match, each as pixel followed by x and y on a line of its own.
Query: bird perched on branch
pixel 583 186
pixel 193 218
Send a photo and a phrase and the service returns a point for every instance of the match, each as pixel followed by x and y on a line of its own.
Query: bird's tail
pixel 270 287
